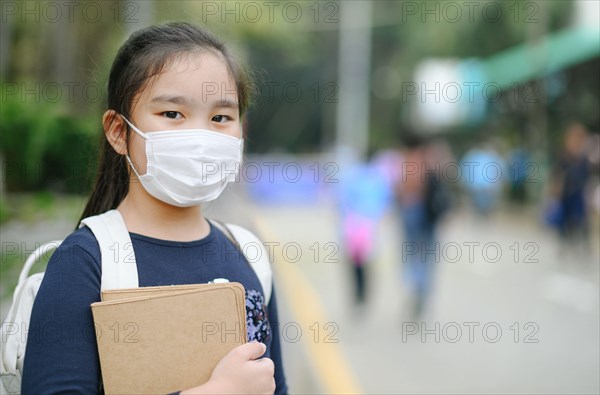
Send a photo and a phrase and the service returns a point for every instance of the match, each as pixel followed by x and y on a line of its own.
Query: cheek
pixel 137 153
pixel 235 131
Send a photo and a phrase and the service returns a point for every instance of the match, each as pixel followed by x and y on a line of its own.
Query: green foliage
pixel 4 215
pixel 294 67
pixel 44 147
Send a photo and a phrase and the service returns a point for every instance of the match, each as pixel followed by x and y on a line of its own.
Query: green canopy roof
pixel 554 52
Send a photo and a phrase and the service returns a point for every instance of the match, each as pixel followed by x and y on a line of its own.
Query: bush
pixel 43 148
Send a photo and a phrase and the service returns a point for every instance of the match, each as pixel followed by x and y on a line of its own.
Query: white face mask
pixel 188 167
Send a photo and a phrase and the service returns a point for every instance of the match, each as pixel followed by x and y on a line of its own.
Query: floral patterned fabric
pixel 257 320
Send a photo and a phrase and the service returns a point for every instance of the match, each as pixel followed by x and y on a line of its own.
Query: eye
pixel 172 114
pixel 221 118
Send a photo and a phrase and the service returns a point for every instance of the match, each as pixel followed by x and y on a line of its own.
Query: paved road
pixel 512 312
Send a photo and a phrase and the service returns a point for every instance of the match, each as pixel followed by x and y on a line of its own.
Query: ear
pixel 115 130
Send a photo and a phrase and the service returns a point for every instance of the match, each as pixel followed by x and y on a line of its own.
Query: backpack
pixel 437 198
pixel 113 239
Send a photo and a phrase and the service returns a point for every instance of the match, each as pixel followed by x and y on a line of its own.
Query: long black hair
pixel 145 54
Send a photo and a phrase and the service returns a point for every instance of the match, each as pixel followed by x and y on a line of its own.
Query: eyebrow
pixel 223 103
pixel 171 99
pixel 226 104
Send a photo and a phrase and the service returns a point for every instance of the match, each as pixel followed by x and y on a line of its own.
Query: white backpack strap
pixel 260 262
pixel 255 252
pixel 13 333
pixel 119 269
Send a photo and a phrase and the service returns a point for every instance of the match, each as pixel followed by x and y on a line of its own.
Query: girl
pixel 175 102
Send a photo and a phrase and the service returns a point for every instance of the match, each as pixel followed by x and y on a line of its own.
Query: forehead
pixel 202 77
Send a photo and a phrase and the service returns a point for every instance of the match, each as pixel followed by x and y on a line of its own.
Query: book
pixel 165 339
pixel 128 293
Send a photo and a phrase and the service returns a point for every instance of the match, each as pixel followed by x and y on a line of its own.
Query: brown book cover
pixel 169 338
pixel 128 293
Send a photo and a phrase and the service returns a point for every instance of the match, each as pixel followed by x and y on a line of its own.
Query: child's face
pixel 195 92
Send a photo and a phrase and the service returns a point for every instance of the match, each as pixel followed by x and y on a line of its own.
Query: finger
pixel 252 350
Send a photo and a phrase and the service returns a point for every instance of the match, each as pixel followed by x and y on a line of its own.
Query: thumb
pixel 252 350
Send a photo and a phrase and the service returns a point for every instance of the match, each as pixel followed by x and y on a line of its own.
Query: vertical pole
pixel 354 63
pixel 538 122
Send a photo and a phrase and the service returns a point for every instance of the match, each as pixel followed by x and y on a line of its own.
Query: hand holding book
pixel 240 372
pixel 163 339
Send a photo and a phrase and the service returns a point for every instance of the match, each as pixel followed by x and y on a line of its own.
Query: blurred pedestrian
pixel 363 197
pixel 570 176
pixel 482 170
pixel 423 197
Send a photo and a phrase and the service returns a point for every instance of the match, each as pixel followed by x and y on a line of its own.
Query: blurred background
pixel 425 174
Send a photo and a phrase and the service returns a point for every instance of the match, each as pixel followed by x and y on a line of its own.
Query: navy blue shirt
pixel 62 356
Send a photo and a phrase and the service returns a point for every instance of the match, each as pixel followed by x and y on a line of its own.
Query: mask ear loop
pixel 143 135
pixel 132 167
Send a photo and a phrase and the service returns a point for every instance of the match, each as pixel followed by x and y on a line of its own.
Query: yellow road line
pixel 330 364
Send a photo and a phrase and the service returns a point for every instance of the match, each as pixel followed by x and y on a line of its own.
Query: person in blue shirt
pixel 570 177
pixel 483 173
pixel 173 141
